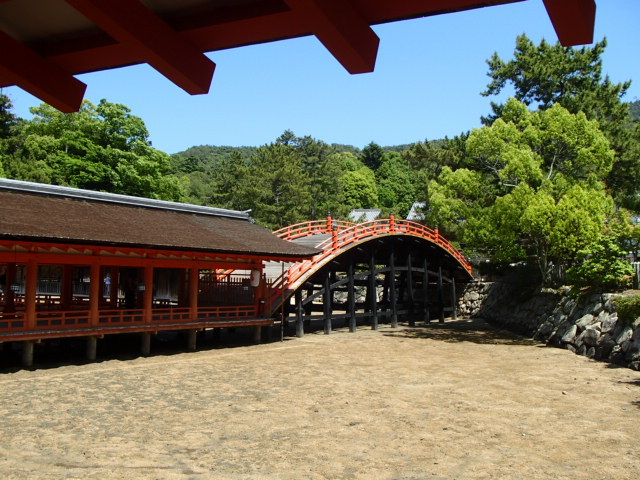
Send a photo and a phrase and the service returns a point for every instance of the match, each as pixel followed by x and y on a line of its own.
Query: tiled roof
pixel 117 220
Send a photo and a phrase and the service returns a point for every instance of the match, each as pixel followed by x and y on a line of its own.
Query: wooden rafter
pixel 342 29
pixel 141 30
pixel 128 32
pixel 573 20
pixel 39 76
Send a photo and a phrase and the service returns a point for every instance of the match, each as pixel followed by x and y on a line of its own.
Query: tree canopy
pixel 545 75
pixel 102 147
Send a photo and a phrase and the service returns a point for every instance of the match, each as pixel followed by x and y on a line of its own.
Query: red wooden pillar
pixel 30 294
pixel 194 280
pixel 10 295
pixel 95 294
pixel 148 293
pixel 66 290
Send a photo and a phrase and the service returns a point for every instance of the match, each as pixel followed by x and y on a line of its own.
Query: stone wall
pixel 585 324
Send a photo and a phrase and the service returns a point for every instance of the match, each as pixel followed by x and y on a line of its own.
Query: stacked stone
pixel 586 325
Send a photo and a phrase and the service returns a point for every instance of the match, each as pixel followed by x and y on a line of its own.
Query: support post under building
pixel 373 295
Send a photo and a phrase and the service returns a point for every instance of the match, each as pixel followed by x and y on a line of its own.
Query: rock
pixel 597 308
pixel 633 350
pixel 584 321
pixel 609 305
pixel 558 318
pixel 625 335
pixel 605 346
pixel 591 352
pixel 568 307
pixel 544 331
pixel 569 334
pixel 590 337
pixel 608 323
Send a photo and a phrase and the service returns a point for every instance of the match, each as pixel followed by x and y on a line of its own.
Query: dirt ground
pixel 453 401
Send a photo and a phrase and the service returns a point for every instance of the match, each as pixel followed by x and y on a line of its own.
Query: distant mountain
pixel 205 157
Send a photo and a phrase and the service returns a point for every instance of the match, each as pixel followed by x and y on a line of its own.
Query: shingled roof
pixel 44 213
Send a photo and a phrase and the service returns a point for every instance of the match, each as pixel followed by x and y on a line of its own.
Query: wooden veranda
pixel 77 263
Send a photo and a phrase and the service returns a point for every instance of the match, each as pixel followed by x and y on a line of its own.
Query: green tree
pixel 322 168
pixel 101 147
pixel 396 190
pixel 535 187
pixel 544 75
pixel 274 186
pixel 371 155
pixel 8 120
pixel 360 188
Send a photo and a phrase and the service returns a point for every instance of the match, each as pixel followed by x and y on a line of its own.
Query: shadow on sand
pixel 473 330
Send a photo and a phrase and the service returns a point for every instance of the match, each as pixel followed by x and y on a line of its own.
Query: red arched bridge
pixel 374 271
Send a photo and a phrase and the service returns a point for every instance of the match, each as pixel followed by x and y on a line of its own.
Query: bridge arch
pixel 374 272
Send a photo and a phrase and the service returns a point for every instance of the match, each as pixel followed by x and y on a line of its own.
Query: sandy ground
pixel 459 400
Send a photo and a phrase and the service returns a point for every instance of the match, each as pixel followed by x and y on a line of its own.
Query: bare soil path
pixel 453 401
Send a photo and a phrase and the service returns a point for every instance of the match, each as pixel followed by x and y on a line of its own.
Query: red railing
pixel 79 319
pixel 313 227
pixel 345 234
pixel 12 322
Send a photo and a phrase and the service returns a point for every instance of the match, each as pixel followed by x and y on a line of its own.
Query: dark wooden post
pixel 392 287
pixel 425 287
pixel 299 317
pixel 192 338
pixel 454 310
pixel 327 303
pixel 373 292
pixel 351 297
pixel 412 320
pixel 441 293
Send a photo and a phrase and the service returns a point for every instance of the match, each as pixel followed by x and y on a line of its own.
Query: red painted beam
pixel 151 39
pixel 342 29
pixel 39 76
pixel 382 11
pixel 573 20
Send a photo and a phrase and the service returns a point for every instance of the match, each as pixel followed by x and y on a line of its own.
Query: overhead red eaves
pixel 39 76
pixel 149 38
pixel 573 20
pixel 342 29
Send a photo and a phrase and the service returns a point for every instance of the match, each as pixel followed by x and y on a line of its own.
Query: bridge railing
pixel 313 227
pixel 348 233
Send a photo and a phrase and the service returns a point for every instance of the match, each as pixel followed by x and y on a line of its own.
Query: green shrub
pixel 603 266
pixel 628 309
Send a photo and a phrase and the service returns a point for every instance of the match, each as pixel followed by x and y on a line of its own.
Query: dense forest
pixel 551 177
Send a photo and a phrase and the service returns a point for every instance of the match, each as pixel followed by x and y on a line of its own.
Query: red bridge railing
pixel 344 234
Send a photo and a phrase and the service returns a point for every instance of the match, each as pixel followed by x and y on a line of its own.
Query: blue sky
pixel 427 82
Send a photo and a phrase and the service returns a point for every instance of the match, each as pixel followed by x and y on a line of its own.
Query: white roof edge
pixel 56 190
